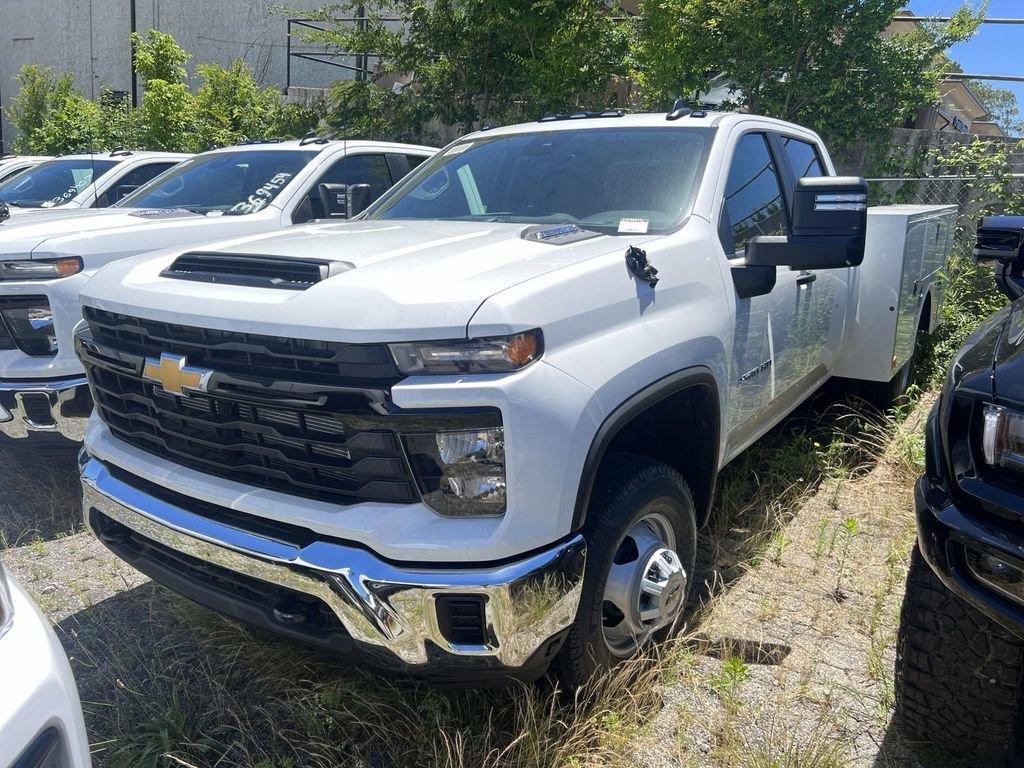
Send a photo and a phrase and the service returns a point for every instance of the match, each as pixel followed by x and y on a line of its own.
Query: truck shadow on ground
pixel 160 675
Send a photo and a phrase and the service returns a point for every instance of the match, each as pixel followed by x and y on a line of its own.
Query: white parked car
pixel 475 431
pixel 41 721
pixel 11 165
pixel 231 192
pixel 90 180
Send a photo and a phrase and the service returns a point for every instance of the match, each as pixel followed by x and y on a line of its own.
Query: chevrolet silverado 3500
pixel 474 431
pixel 46 258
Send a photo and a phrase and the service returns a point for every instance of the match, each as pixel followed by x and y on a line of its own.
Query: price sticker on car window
pixel 632 226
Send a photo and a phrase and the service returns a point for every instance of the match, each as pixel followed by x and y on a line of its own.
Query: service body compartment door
pixel 906 251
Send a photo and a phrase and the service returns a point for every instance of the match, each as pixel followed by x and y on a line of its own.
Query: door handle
pixel 806 278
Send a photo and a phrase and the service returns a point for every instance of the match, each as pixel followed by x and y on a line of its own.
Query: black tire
pixel 626 488
pixel 958 673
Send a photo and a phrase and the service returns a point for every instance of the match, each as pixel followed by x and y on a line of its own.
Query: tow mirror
pixel 1000 239
pixel 5 212
pixel 830 221
pixel 126 189
pixel 358 199
pixel 343 201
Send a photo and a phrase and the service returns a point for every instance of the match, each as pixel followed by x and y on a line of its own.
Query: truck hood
pixel 81 233
pixel 407 280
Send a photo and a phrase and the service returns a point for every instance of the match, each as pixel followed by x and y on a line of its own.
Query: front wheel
pixel 641 535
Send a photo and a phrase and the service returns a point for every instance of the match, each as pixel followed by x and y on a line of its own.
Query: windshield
pixel 53 183
pixel 608 179
pixel 232 183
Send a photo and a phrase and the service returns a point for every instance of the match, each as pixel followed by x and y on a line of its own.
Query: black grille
pixel 289 433
pixel 254 270
pixel 247 354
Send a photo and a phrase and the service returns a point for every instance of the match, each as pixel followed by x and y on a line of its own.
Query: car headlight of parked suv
pixel 40 269
pixel 1002 438
pixel 497 354
pixel 461 473
pixel 6 606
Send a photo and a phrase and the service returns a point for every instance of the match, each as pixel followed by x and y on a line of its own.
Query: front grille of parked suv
pixel 285 414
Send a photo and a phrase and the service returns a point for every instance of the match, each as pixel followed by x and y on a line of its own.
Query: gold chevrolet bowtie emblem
pixel 171 373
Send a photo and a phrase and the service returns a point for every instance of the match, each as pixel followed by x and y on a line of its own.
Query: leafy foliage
pixel 229 106
pixel 474 61
pixel 1002 107
pixel 821 63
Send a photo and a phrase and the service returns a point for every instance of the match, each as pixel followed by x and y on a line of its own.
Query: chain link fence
pixel 971 194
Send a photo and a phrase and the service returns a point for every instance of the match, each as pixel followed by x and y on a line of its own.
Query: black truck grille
pixel 283 414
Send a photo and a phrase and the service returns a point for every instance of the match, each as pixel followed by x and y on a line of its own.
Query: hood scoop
pixel 254 271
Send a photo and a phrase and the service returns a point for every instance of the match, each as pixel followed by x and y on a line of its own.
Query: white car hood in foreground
pixel 410 280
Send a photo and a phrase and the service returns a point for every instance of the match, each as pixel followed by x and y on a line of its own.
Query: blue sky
pixel 995 49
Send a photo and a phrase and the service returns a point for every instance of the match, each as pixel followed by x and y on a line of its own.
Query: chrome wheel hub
pixel 646 587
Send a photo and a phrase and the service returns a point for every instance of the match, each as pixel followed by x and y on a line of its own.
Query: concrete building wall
pixel 89 38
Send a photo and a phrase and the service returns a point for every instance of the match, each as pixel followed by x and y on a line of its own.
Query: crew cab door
pixel 822 294
pixel 764 364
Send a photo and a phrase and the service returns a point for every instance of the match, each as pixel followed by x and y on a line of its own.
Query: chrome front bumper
pixel 61 407
pixel 388 607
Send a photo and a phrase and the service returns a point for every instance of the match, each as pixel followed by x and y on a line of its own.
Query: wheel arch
pixel 686 399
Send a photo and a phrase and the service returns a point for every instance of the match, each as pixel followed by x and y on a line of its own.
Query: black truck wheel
pixel 641 535
pixel 958 673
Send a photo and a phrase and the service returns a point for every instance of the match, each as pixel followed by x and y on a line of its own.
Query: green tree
pixel 42 100
pixel 822 63
pixel 231 106
pixel 168 117
pixel 1002 107
pixel 159 57
pixel 473 61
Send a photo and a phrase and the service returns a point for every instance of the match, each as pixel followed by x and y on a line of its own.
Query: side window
pixel 803 158
pixel 415 160
pixel 753 194
pixel 361 169
pixel 354 169
pixel 131 181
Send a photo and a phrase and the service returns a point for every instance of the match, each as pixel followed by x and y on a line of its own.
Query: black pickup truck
pixel 960 655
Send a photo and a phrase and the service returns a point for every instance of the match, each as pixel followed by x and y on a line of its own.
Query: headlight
pixel 1002 440
pixel 6 606
pixel 461 473
pixel 41 269
pixel 29 321
pixel 498 354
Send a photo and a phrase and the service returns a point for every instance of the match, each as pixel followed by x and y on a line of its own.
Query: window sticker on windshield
pixel 458 149
pixel 632 226
pixel 259 199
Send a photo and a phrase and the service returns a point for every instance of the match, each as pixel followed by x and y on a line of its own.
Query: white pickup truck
pixel 475 430
pixel 45 259
pixel 11 165
pixel 89 180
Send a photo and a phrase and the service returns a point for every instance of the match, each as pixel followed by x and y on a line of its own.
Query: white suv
pixel 227 193
pixel 91 180
pixel 11 165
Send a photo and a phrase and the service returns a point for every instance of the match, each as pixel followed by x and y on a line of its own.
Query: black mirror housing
pixel 830 221
pixel 343 201
pixel 358 199
pixel 1000 238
